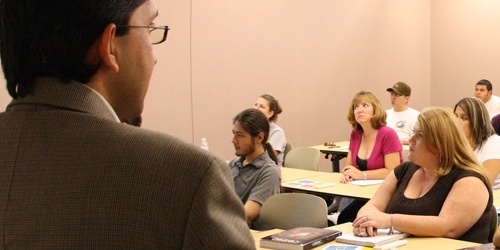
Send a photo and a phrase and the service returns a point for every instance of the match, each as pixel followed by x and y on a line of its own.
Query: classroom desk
pixel 340 150
pixel 496 198
pixel 290 174
pixel 342 189
pixel 336 153
pixel 413 242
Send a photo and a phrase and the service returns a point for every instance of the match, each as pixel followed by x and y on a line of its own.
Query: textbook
pixel 300 238
pixel 383 237
pixel 307 184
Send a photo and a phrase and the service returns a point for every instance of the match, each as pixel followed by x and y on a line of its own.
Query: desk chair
pixel 289 210
pixel 493 223
pixel 288 147
pixel 302 158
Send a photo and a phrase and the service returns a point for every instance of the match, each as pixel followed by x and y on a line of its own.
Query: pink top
pixel 387 142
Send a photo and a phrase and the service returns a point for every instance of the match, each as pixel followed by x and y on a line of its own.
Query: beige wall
pixel 313 56
pixel 465 48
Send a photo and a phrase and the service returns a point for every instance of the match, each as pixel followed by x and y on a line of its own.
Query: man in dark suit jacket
pixel 73 176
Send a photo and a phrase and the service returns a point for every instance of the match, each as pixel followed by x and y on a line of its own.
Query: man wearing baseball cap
pixel 401 117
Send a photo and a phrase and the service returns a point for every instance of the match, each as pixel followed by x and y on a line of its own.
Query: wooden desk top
pixel 413 242
pixel 290 174
pixel 496 198
pixel 343 189
pixel 349 190
pixel 342 147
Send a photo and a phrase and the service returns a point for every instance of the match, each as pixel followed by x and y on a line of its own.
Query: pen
pixel 391 245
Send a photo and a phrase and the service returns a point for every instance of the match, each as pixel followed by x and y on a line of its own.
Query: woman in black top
pixel 442 191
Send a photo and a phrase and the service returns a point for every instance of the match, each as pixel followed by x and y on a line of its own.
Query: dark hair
pixel 274 106
pixel 495 121
pixel 379 115
pixel 479 119
pixel 255 122
pixel 135 121
pixel 52 38
pixel 486 83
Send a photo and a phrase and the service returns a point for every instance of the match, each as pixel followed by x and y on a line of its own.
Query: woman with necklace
pixel 374 149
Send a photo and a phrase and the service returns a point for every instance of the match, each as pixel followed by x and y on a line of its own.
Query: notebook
pixel 383 237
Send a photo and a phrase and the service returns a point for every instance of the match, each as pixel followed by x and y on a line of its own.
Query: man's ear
pixel 260 138
pixel 407 98
pixel 106 47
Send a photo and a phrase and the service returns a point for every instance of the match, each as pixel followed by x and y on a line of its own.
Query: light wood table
pixel 290 174
pixel 413 242
pixel 496 198
pixel 342 189
pixel 340 151
pixel 336 153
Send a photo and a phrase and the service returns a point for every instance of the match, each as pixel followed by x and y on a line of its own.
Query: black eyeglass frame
pixel 152 28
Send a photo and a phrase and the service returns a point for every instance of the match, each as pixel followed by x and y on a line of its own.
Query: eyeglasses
pixel 396 94
pixel 157 34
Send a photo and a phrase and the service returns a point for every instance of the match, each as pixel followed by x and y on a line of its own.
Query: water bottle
pixel 204 143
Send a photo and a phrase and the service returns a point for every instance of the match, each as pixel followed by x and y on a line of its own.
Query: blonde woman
pixel 442 191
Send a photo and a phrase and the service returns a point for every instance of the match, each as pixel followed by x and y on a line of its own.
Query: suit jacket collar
pixel 50 93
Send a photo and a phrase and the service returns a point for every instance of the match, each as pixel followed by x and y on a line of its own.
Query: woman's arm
pixel 382 196
pixel 377 205
pixel 492 168
pixel 463 206
pixel 347 169
pixel 390 162
pixel 496 238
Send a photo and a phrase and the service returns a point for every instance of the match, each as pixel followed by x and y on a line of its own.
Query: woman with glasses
pixel 441 192
pixel 475 121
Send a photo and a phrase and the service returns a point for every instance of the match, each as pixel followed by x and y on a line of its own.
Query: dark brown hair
pixel 255 122
pixel 52 38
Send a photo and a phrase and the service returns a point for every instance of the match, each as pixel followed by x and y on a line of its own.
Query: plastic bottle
pixel 204 144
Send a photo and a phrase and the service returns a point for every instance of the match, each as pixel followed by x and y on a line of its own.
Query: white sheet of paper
pixel 366 182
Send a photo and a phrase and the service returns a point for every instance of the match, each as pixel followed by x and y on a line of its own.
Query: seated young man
pixel 256 174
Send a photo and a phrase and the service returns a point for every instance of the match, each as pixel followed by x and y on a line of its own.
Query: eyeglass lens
pixel 158 35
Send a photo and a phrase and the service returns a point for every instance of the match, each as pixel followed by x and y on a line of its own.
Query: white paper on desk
pixel 366 182
pixel 304 183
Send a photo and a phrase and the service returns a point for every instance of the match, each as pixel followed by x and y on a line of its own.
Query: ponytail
pixel 271 152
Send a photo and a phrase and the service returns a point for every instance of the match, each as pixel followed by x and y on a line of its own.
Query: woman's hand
pixel 367 224
pixel 351 173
